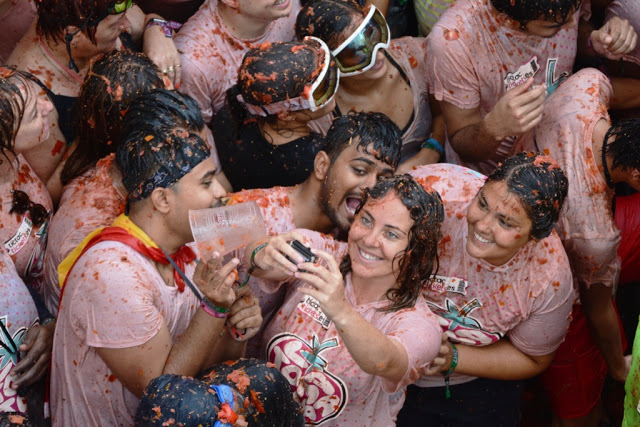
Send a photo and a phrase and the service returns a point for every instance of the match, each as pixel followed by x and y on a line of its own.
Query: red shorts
pixel 575 379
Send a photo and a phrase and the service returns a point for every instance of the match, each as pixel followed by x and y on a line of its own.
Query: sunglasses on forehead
pixel 322 89
pixel 357 53
pixel 22 204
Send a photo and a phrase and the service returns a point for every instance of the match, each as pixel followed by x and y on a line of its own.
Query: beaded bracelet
pixel 452 367
pixel 213 310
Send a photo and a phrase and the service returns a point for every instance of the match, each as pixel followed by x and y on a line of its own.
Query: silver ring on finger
pixel 171 69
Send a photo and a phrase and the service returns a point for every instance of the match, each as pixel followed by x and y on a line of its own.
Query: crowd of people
pixel 448 189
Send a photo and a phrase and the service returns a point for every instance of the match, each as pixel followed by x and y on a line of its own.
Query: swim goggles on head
pixel 357 53
pixel 321 92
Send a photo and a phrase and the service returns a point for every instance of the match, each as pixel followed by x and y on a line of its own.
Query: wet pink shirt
pixel 629 10
pixel 211 55
pixel 88 202
pixel 114 298
pixel 528 299
pixel 275 207
pixel 24 242
pixel 15 22
pixel 17 313
pixel 475 54
pixel 586 227
pixel 324 377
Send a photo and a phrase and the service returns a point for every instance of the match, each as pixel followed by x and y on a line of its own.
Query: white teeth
pixel 368 257
pixel 481 239
pixel 279 2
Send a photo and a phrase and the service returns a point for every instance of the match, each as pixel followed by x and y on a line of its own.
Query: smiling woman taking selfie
pixel 350 337
pixel 503 293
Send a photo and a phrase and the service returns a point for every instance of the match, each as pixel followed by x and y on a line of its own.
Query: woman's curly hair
pixel 419 260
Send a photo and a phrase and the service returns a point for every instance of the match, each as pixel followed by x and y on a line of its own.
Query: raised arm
pixel 374 352
pixel 136 366
pixel 477 139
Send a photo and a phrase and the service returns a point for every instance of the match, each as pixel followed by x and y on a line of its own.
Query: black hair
pixel 524 11
pixel 55 15
pixel 112 83
pixel 625 147
pixel 539 184
pixel 365 129
pixel 162 107
pixel 327 20
pixel 142 153
pixel 271 73
pixel 419 260
pixel 12 105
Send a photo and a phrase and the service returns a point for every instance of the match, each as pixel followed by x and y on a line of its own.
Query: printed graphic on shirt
pixel 17 242
pixel 311 307
pixel 9 358
pixel 459 325
pixel 522 74
pixel 551 80
pixel 444 284
pixel 322 394
pixel 530 69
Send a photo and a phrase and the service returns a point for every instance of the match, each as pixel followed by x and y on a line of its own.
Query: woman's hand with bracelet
pixel 216 281
pixel 273 257
pixel 442 362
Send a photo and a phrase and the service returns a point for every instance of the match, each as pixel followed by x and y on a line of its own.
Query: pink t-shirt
pixel 474 55
pixel 24 242
pixel 15 22
pixel 17 313
pixel 275 207
pixel 308 350
pixel 114 298
pixel 586 227
pixel 88 202
pixel 629 10
pixel 529 298
pixel 211 55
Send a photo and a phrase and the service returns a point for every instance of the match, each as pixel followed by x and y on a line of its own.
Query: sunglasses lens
pixel 120 6
pixel 358 54
pixel 327 88
pixel 20 202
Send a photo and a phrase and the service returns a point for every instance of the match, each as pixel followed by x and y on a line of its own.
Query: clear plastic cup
pixel 226 228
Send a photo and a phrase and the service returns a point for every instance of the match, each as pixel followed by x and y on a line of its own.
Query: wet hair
pixel 163 108
pixel 111 84
pixel 625 148
pixel 327 20
pixel 157 157
pixel 177 399
pixel 271 73
pixel 55 15
pixel 524 11
pixel 365 129
pixel 539 184
pixel 275 72
pixel 419 261
pixel 13 102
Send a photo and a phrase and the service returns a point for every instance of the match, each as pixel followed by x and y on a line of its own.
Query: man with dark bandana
pixel 129 310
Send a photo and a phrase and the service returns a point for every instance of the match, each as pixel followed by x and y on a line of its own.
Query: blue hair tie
pixel 225 394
